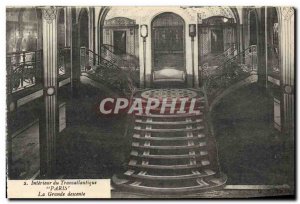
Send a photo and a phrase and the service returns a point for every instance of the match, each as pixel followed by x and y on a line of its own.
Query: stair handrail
pixel 229 51
pixel 114 48
pixel 248 50
pixel 92 63
pixel 94 60
pixel 223 56
pixel 108 54
pixel 225 73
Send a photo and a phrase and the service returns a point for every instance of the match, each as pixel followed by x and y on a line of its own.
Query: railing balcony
pixel 89 60
pixel 24 70
pixel 63 60
pixel 273 61
pixel 250 58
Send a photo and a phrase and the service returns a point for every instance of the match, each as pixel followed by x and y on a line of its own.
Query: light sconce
pixel 144 34
pixel 192 30
pixel 192 34
pixel 144 31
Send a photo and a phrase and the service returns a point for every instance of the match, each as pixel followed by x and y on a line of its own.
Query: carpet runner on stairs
pixel 172 153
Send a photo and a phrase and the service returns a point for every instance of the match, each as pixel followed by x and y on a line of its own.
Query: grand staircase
pixel 171 153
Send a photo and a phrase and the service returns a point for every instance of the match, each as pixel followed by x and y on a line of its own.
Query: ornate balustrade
pixel 273 60
pixel 234 69
pixel 125 61
pixel 221 58
pixel 63 60
pixel 23 70
pixel 107 72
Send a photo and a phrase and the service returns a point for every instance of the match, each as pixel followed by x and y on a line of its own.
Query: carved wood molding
pixel 49 13
pixel 119 21
pixel 287 12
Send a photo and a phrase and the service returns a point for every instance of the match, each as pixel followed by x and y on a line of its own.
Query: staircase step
pixel 137 136
pixel 206 185
pixel 144 101
pixel 171 153
pixel 138 128
pixel 169 156
pixel 183 115
pixel 168 123
pixel 167 109
pixel 137 145
pixel 152 166
pixel 194 175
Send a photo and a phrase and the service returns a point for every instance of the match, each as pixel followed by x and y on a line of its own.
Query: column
pixel 261 48
pixel 75 54
pixel 196 63
pixel 287 64
pixel 49 114
pixel 240 34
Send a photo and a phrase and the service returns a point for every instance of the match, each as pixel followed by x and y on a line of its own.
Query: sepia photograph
pixel 150 102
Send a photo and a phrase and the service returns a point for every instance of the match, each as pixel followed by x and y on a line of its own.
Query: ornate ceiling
pixel 194 13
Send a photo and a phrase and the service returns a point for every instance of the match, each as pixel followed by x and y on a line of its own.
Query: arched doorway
pixel 84 29
pixel 216 35
pixel 168 42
